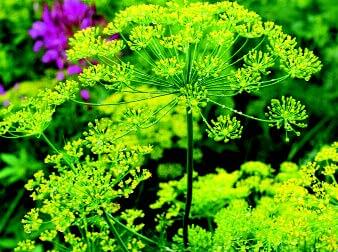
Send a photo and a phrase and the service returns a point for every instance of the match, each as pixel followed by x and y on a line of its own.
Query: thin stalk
pixel 189 176
pixel 307 137
pixel 10 210
pixel 114 231
pixel 240 113
pixel 65 157
pixel 50 143
pixel 122 102
pixel 133 231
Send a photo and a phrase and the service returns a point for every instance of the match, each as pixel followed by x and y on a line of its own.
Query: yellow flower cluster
pixel 33 115
pixel 294 210
pixel 93 173
pixel 201 34
pixel 222 49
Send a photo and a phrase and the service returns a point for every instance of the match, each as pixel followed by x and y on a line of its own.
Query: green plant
pixel 257 209
pixel 17 166
pixel 91 174
pixel 313 23
pixel 16 65
pixel 194 54
pixel 160 135
pixel 184 52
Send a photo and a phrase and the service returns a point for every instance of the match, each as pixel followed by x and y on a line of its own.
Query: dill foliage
pixel 255 209
pixel 91 175
pixel 195 53
pixel 188 56
pixel 167 123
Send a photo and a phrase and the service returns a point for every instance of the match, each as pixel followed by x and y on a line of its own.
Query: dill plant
pixel 91 174
pixel 193 54
pixel 196 53
pixel 293 210
pixel 161 133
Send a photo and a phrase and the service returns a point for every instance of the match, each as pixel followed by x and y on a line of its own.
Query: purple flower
pixel 114 36
pixel 57 25
pixel 2 90
pixel 76 11
pixel 74 69
pixel 37 46
pixel 38 29
pixel 60 75
pixel 85 95
pixel 49 56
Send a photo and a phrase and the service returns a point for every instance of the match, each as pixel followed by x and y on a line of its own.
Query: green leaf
pixel 9 159
pixel 6 243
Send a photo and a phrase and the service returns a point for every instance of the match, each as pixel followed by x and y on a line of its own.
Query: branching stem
pixel 65 157
pixel 115 232
pixel 46 139
pixel 133 231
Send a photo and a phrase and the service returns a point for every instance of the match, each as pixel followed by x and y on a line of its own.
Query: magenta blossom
pixel 85 95
pixel 3 92
pixel 57 25
pixel 2 89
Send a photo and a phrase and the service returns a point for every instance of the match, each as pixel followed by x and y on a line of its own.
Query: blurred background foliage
pixel 18 62
pixel 313 22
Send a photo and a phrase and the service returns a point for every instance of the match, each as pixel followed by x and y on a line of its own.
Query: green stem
pixel 114 231
pixel 11 209
pixel 306 138
pixel 189 176
pixel 239 112
pixel 133 231
pixel 49 143
pixel 65 157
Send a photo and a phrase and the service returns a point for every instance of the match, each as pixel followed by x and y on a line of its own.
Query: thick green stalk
pixel 189 176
